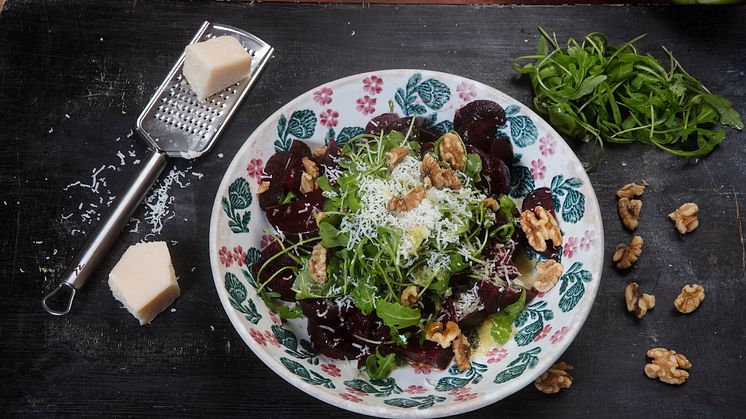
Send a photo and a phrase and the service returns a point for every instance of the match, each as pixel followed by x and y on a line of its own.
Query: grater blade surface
pixel 176 122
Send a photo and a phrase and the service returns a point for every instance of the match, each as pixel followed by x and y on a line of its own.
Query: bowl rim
pixel 486 399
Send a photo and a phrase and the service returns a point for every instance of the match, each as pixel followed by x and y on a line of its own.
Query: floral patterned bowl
pixel 339 110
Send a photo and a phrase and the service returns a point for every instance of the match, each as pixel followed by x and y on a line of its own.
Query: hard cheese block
pixel 144 280
pixel 215 64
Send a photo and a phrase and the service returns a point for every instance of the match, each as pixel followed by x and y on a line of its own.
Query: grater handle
pixel 104 236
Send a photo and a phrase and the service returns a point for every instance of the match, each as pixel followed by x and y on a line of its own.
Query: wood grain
pixel 75 74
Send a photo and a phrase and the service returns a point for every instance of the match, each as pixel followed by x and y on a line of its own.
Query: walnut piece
pixel 631 190
pixel 491 204
pixel 540 226
pixel 408 201
pixel 636 303
pixel 547 275
pixel 555 378
pixel 307 183
pixel 461 352
pixel 689 298
pixel 629 212
pixel 317 264
pixel 625 256
pixel 665 366
pixel 443 336
pixel 396 155
pixel 409 295
pixel 309 166
pixel 685 217
pixel 263 187
pixel 453 151
pixel 319 152
pixel 433 175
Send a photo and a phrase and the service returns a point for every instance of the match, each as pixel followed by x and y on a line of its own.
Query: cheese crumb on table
pixel 144 280
pixel 215 64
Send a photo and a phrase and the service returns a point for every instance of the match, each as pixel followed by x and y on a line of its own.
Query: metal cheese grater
pixel 175 123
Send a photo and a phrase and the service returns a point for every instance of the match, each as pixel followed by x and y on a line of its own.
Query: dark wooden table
pixel 74 75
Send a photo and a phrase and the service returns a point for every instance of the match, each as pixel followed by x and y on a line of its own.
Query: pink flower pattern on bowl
pixel 350 397
pixel 356 392
pixel 538 169
pixel 255 169
pixel 496 355
pixel 570 247
pixel 466 91
pixel 373 84
pixel 323 96
pixel 271 338
pixel 421 369
pixel 328 118
pixel 587 241
pixel 415 389
pixel 267 239
pixel 366 105
pixel 547 145
pixel 559 335
pixel 331 369
pixel 544 332
pixel 258 337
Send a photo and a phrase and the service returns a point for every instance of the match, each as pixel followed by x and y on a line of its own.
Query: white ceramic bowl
pixel 340 109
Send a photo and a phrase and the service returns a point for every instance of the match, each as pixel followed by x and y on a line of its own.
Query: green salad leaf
pixel 502 321
pixel 396 315
pixel 379 367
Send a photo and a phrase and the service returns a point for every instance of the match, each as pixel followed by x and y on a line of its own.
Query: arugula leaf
pixel 288 198
pixel 364 294
pixel 396 315
pixel 473 166
pixel 502 321
pixel 379 367
pixel 323 183
pixel 331 237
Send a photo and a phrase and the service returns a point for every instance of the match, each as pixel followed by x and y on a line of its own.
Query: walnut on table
pixel 555 378
pixel 685 217
pixel 408 201
pixel 629 212
pixel 540 226
pixel 667 366
pixel 631 190
pixel 547 275
pixel 626 255
pixel 689 298
pixel 452 151
pixel 638 303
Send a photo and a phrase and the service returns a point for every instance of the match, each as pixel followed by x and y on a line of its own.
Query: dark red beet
pixel 369 327
pixel 336 342
pixel 273 173
pixel 539 197
pixel 502 148
pixel 294 169
pixel 494 170
pixel 380 123
pixel 329 159
pixel 530 295
pixel 477 122
pixel 282 282
pixel 472 319
pixel 419 131
pixel 429 353
pixel 490 296
pixel 509 296
pixel 325 311
pixel 297 216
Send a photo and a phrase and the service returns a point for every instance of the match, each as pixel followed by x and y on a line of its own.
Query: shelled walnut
pixel 308 178
pixel 409 295
pixel 491 204
pixel 689 298
pixel 636 303
pixel 395 156
pixel 631 190
pixel 408 201
pixel 441 334
pixel 685 217
pixel 547 275
pixel 555 378
pixel 461 352
pixel 629 212
pixel 263 187
pixel 452 151
pixel 667 366
pixel 433 175
pixel 540 226
pixel 625 255
pixel 317 264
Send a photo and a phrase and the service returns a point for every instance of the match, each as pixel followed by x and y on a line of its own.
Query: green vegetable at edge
pixel 593 91
pixel 379 367
pixel 502 321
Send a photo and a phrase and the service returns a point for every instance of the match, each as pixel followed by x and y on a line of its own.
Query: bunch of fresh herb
pixel 597 92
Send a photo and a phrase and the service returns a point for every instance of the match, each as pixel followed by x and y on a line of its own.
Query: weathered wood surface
pixel 74 75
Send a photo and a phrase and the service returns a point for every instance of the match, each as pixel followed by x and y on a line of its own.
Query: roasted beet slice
pixel 381 122
pixel 336 342
pixel 297 216
pixel 477 122
pixel 490 296
pixel 494 170
pixel 330 158
pixel 472 319
pixel 325 311
pixel 539 197
pixel 502 148
pixel 283 281
pixel 429 353
pixel 369 327
pixel 273 173
pixel 294 169
pixel 419 131
pixel 509 296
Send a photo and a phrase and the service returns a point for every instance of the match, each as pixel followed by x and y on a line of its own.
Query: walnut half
pixel 461 352
pixel 555 378
pixel 636 303
pixel 625 255
pixel 547 275
pixel 396 155
pixel 689 298
pixel 308 178
pixel 666 365
pixel 631 190
pixel 629 212
pixel 317 264
pixel 452 151
pixel 685 217
pixel 441 334
pixel 409 295
pixel 540 226
pixel 408 201
pixel 433 175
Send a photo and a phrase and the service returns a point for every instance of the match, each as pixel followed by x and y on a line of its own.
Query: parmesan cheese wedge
pixel 144 280
pixel 215 64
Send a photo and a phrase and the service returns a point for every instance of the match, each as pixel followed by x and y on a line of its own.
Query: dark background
pixel 99 62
